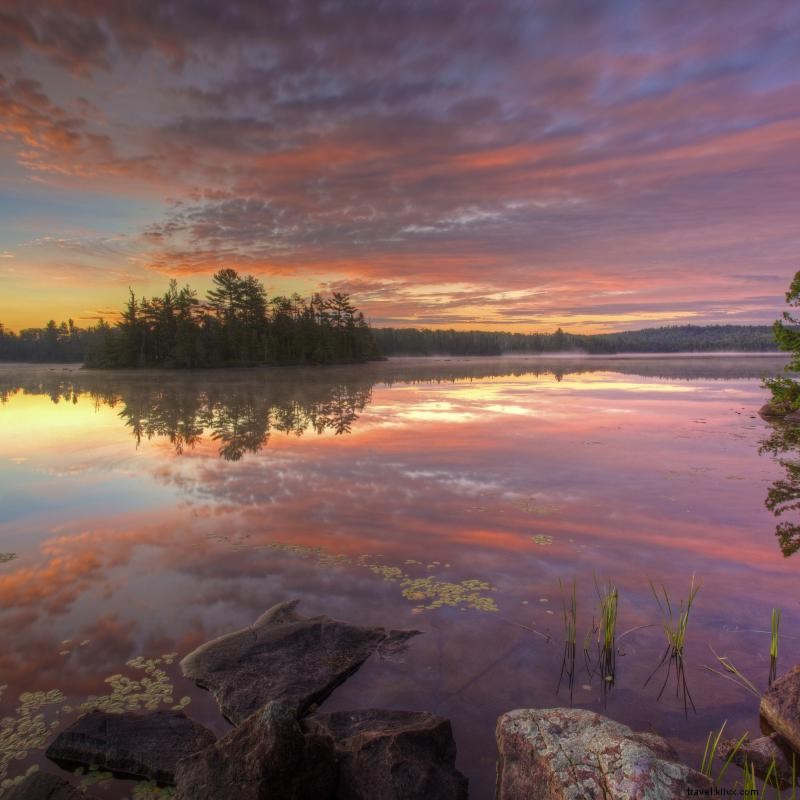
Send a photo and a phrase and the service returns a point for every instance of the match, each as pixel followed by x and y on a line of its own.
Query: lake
pixel 144 513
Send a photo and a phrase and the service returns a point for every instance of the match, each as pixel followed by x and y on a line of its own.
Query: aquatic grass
pixel 675 622
pixel 569 611
pixel 775 624
pixel 607 631
pixel 710 754
pixel 731 673
pixel 675 626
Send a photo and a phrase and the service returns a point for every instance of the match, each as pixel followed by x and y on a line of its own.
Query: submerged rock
pixel 140 745
pixel 283 656
pixel 45 786
pixel 780 706
pixel 393 755
pixel 760 753
pixel 562 754
pixel 267 757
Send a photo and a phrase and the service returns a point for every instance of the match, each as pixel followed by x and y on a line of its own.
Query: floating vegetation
pixel 542 539
pixel 775 625
pixel 93 775
pixel 150 790
pixel 28 729
pixel 5 557
pixel 466 594
pixel 10 783
pixel 127 694
pixel 39 714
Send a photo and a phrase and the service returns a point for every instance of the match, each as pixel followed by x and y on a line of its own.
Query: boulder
pixel 286 657
pixel 780 707
pixel 45 786
pixel 760 753
pixel 394 755
pixel 138 745
pixel 563 754
pixel 267 756
pixel 772 411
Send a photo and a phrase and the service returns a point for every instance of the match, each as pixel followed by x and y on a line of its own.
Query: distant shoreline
pixel 410 360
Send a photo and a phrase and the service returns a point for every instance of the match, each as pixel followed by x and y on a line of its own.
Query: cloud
pixel 508 145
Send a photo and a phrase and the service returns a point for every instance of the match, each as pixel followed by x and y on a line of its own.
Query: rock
pixel 772 411
pixel 792 417
pixel 760 753
pixel 394 755
pixel 562 754
pixel 139 745
pixel 45 786
pixel 267 756
pixel 284 657
pixel 780 706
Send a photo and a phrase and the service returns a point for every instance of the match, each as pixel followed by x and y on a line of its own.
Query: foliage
pixel 55 343
pixel 672 339
pixel 675 626
pixel 785 391
pixel 236 325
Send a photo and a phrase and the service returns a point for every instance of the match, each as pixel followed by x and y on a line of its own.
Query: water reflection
pixel 783 495
pixel 237 410
pixel 150 512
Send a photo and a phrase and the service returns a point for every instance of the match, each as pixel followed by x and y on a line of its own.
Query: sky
pixel 596 165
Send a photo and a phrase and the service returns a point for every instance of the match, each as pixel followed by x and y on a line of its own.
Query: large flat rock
pixel 780 706
pixel 392 755
pixel 268 757
pixel 283 656
pixel 45 786
pixel 139 745
pixel 573 754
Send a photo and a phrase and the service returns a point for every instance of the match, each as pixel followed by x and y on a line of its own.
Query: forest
pixel 235 325
pixel 671 339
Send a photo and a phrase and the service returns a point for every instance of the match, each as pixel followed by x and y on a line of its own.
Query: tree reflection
pixel 238 417
pixel 784 494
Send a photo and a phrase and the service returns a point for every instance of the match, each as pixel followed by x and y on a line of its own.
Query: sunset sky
pixel 465 163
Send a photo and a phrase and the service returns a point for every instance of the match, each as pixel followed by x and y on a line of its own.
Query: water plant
pixel 607 629
pixel 675 625
pixel 675 622
pixel 775 625
pixel 569 609
pixel 710 754
pixel 732 673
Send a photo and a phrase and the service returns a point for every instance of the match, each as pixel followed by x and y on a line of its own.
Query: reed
pixel 675 621
pixel 775 625
pixel 710 753
pixel 569 610
pixel 607 630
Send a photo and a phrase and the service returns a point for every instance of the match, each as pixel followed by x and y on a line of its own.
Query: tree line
pixel 670 339
pixel 236 324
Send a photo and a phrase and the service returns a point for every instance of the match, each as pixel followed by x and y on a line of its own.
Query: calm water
pixel 149 512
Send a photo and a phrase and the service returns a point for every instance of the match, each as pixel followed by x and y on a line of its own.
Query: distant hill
pixel 668 339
